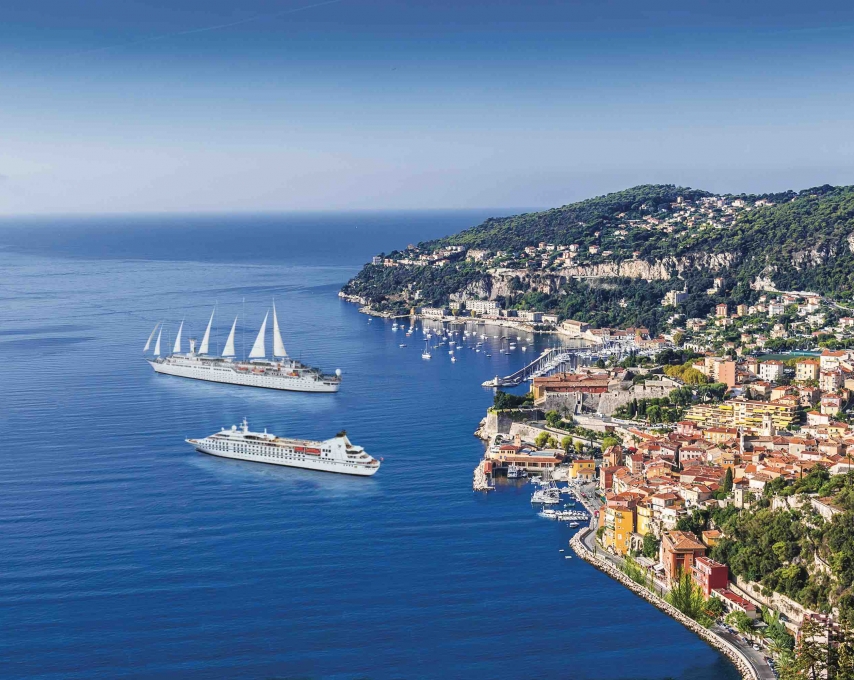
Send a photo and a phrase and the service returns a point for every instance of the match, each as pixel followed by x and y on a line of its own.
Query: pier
pixel 559 359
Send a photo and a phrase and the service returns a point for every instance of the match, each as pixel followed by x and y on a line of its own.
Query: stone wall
pixel 752 591
pixel 734 655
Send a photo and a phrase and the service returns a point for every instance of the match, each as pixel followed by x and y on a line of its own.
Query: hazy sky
pixel 208 105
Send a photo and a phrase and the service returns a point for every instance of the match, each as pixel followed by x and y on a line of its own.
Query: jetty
pixel 482 478
pixel 561 359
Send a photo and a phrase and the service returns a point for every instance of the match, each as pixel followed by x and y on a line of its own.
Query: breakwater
pixel 734 655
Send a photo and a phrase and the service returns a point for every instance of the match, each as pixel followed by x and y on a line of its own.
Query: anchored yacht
pixel 279 372
pixel 338 454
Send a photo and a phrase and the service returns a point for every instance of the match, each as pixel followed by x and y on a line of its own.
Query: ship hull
pixel 302 462
pixel 227 375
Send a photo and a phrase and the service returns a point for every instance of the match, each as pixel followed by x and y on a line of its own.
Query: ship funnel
pixel 192 345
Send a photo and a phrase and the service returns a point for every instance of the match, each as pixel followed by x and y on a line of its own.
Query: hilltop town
pixel 632 258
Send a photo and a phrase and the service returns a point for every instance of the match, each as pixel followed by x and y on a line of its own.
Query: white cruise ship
pixel 333 455
pixel 278 373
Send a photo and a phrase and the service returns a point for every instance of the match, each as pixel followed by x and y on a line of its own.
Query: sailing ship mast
pixel 229 343
pixel 278 345
pixel 258 350
pixel 203 349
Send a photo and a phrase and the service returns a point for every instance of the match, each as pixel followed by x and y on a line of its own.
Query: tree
pixel 715 608
pixel 728 480
pixel 579 447
pixel 740 621
pixel 608 441
pixel 553 418
pixel 566 444
pixel 687 597
pixel 542 439
pixel 650 546
pixel 810 658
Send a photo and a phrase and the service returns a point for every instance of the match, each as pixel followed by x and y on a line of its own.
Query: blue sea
pixel 126 554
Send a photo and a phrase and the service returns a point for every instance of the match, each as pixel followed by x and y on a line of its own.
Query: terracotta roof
pixel 683 540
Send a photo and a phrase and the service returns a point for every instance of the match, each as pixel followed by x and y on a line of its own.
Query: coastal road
pixel 756 659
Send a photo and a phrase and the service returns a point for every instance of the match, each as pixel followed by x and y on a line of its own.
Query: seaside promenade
pixel 749 662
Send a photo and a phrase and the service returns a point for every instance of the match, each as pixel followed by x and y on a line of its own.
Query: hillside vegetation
pixel 611 259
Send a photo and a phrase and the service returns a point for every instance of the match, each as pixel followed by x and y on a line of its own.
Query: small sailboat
pixel 426 353
pixel 453 360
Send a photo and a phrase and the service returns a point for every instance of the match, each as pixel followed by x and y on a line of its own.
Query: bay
pixel 124 553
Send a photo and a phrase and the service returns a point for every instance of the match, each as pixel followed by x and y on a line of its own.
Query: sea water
pixel 125 553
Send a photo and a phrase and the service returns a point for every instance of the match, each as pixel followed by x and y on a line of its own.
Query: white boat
pixel 453 360
pixel 280 372
pixel 516 472
pixel 426 353
pixel 573 525
pixel 338 454
pixel 545 496
pixel 403 344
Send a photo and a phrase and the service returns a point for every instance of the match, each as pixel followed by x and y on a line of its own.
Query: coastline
pixel 580 548
pixel 364 308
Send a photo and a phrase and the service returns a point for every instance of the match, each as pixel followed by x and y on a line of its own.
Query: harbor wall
pixel 734 655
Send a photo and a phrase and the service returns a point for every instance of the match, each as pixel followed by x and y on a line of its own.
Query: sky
pixel 148 106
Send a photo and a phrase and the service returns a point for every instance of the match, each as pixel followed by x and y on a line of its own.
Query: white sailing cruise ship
pixel 338 454
pixel 278 373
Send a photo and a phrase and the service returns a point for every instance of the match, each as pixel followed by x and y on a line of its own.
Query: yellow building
pixel 622 522
pixel 582 469
pixel 744 413
pixel 644 518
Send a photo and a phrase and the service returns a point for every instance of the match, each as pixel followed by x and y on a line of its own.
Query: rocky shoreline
pixel 734 655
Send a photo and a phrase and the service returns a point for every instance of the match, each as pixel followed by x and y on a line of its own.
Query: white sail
pixel 229 344
pixel 278 345
pixel 177 347
pixel 150 337
pixel 258 351
pixel 203 349
pixel 157 344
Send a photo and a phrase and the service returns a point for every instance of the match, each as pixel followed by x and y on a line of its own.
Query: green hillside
pixel 793 240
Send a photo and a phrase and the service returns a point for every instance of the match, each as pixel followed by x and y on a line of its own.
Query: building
pixel 736 603
pixel 678 551
pixel 586 383
pixel 377 260
pixel 807 369
pixel 721 311
pixel 619 523
pixel 574 328
pixel 771 370
pixel 831 380
pixel 674 297
pixel 723 371
pixel 709 575
pixel 830 360
pixel 488 307
pixel 744 413
pixel 582 469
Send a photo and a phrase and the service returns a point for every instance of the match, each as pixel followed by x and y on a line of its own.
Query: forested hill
pixel 611 259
